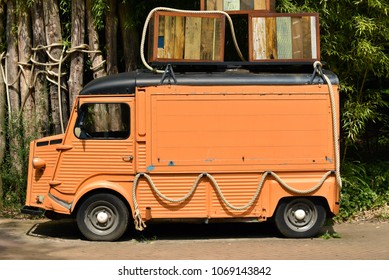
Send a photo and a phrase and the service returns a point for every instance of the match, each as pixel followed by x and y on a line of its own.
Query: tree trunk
pixel 24 45
pixel 130 36
pixel 12 60
pixel 77 58
pixel 58 97
pixel 13 89
pixel 97 60
pixel 111 30
pixel 2 106
pixel 40 90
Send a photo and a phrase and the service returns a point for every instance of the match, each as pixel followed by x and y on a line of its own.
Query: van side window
pixel 103 121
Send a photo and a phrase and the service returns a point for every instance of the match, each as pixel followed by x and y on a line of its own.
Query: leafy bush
pixel 365 187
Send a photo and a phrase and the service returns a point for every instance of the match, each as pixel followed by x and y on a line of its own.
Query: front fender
pixel 122 188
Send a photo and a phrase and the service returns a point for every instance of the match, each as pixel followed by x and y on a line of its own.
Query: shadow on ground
pixel 67 229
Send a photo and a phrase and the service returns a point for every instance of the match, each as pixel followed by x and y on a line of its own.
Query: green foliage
pixel 65 8
pixel 365 187
pixel 15 179
pixel 99 9
pixel 329 235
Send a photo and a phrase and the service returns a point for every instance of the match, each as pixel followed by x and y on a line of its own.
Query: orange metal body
pixel 234 133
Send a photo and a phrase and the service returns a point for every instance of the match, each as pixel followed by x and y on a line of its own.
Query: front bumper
pixel 30 210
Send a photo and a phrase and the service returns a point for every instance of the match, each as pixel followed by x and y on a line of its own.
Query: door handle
pixel 128 158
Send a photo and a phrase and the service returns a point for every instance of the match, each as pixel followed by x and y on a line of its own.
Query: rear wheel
pixel 300 218
pixel 103 217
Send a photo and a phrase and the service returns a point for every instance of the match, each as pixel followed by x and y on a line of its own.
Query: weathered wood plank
pixel 259 38
pixel 313 37
pixel 192 38
pixel 217 42
pixel 246 5
pixel 169 36
pixel 214 5
pixel 259 4
pixel 161 37
pixel 307 45
pixel 179 38
pixel 210 4
pixel 271 38
pixel 297 38
pixel 219 5
pixel 284 37
pixel 231 5
pixel 207 37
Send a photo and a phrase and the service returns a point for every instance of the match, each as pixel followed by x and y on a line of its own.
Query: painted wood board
pixel 271 38
pixel 214 5
pixel 307 45
pixel 217 43
pixel 284 37
pixel 246 5
pixel 179 37
pixel 313 37
pixel 297 38
pixel 260 5
pixel 259 38
pixel 161 37
pixel 207 38
pixel 231 5
pixel 192 38
pixel 169 37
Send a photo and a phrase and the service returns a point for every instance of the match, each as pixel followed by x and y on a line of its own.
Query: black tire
pixel 300 218
pixel 103 217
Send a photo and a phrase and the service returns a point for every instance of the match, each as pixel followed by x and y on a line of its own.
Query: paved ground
pixel 61 240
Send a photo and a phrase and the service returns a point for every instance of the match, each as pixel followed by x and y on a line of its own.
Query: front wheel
pixel 300 218
pixel 103 217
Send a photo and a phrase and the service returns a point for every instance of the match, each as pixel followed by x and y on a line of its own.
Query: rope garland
pixel 140 224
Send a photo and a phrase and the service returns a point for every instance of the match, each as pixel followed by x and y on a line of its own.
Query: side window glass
pixel 103 121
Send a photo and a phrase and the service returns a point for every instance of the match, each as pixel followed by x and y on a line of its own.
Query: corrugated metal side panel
pixel 175 188
pixel 92 158
pixel 141 156
pixel 246 131
pixel 238 190
pixel 40 179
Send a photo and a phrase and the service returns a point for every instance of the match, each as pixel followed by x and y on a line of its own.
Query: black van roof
pixel 125 83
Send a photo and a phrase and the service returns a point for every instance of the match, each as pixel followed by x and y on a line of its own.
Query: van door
pixel 98 146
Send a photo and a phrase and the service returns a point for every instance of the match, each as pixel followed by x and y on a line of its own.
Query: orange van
pixel 209 146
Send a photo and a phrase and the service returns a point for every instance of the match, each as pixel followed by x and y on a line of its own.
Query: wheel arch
pixel 315 199
pixel 101 188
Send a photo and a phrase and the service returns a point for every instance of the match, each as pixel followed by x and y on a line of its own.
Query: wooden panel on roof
pixel 271 38
pixel 286 37
pixel 238 6
pixel 214 5
pixel 192 38
pixel 180 36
